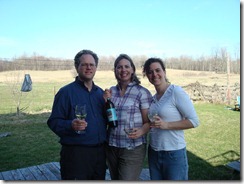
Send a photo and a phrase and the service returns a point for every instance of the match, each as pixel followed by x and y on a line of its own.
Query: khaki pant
pixel 125 164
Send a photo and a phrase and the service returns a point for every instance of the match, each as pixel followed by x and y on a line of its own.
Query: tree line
pixel 217 62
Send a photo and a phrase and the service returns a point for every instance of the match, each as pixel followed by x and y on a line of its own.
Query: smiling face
pixel 87 67
pixel 124 71
pixel 156 75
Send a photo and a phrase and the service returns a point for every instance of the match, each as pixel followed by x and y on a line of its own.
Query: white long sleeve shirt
pixel 174 105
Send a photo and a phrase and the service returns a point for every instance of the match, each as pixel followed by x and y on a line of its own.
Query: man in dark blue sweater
pixel 82 155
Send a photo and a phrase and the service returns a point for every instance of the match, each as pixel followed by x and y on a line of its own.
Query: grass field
pixel 47 83
pixel 210 146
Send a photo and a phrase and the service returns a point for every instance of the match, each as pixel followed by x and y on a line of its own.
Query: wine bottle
pixel 111 114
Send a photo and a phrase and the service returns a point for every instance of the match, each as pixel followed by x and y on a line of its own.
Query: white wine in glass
pixel 151 115
pixel 80 113
pixel 129 128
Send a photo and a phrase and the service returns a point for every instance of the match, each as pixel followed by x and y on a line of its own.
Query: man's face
pixel 87 67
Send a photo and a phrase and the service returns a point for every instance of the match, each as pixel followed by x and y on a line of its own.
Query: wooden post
pixel 228 95
pixel 54 90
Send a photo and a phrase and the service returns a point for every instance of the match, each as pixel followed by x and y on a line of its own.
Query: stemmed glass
pixel 80 112
pixel 151 116
pixel 129 128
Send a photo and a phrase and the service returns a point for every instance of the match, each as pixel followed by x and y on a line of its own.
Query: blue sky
pixel 162 28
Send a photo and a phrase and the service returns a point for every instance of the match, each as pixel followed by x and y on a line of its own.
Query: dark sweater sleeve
pixel 60 119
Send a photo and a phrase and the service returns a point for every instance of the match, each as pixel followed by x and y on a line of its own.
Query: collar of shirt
pixel 81 83
pixel 131 84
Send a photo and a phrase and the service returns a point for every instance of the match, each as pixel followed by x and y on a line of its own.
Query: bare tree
pixel 215 62
pixel 14 83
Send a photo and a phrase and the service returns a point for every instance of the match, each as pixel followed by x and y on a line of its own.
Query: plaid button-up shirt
pixel 128 108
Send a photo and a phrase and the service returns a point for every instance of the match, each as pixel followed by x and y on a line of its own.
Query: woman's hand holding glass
pixel 129 130
pixel 157 122
pixel 152 115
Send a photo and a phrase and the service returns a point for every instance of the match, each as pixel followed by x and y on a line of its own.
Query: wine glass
pixel 129 128
pixel 80 113
pixel 151 116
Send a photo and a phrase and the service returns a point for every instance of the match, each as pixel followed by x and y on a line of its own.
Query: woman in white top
pixel 167 155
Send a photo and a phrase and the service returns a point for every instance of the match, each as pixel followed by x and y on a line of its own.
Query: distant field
pixel 106 78
pixel 47 83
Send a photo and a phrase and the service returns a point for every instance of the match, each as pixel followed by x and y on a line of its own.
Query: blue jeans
pixel 168 165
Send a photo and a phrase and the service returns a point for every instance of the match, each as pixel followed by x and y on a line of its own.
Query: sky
pixel 160 28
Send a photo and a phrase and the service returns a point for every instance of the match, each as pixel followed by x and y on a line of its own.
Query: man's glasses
pixel 83 65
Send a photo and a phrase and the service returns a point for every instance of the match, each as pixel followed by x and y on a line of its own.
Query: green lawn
pixel 210 146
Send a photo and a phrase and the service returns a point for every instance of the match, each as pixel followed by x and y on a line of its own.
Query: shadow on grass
pixel 35 131
pixel 200 169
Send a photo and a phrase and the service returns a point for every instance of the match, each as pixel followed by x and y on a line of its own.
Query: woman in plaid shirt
pixel 131 101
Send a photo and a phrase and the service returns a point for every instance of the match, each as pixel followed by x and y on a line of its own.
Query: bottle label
pixel 111 113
